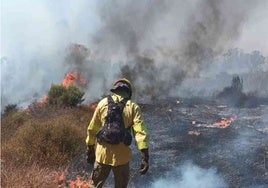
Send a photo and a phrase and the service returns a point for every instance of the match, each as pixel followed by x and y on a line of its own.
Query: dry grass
pixel 39 141
pixel 28 176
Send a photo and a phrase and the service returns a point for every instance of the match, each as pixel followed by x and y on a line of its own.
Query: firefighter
pixel 116 157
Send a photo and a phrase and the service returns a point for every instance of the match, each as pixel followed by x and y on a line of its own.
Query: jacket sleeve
pixel 93 127
pixel 140 129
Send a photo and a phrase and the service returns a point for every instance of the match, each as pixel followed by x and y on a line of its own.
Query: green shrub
pixel 55 94
pixel 65 96
pixel 72 96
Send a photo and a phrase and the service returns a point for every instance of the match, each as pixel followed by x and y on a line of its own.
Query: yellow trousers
pixel 102 171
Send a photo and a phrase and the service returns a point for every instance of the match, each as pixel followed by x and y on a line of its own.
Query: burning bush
pixel 65 96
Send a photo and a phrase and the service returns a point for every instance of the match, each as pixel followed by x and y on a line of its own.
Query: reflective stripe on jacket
pixel 117 154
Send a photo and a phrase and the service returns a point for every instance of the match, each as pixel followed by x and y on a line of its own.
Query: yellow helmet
pixel 122 84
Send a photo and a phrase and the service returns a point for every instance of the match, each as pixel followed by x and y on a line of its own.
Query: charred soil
pixel 211 135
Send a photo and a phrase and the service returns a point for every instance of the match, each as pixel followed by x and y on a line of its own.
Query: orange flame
pixel 70 78
pixel 44 100
pixel 225 122
pixel 77 183
pixel 62 179
pixel 74 78
pixel 94 105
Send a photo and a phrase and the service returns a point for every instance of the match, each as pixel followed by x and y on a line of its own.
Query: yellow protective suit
pixel 119 154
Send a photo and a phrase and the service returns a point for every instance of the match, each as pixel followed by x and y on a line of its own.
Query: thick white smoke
pixel 159 45
pixel 189 175
pixel 35 37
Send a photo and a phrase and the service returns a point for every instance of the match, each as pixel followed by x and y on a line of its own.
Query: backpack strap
pixel 111 100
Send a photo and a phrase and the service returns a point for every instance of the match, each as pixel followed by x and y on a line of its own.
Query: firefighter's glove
pixel 90 154
pixel 144 161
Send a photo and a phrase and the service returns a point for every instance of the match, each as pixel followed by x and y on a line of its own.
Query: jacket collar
pixel 119 96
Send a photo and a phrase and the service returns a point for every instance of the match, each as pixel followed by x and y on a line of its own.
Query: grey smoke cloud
pixel 162 43
pixel 159 45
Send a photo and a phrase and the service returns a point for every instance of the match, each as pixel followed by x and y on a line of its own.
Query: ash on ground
pixel 183 130
pixel 201 143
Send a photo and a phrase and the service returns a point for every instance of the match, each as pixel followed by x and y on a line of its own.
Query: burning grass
pixel 77 182
pixel 224 122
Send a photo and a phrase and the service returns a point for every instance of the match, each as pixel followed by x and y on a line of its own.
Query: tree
pixel 237 84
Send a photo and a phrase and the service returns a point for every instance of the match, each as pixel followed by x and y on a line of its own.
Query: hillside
pixel 37 143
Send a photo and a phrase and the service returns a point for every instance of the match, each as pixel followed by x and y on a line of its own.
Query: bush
pixel 11 108
pixel 72 96
pixel 35 148
pixel 10 124
pixel 55 94
pixel 52 143
pixel 65 96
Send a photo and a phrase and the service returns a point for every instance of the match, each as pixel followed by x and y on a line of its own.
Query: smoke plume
pixel 163 43
pixel 161 46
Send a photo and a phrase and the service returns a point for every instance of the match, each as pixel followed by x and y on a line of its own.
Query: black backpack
pixel 114 131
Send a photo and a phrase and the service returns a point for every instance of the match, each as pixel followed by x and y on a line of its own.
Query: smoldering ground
pixel 190 175
pixel 216 157
pixel 227 157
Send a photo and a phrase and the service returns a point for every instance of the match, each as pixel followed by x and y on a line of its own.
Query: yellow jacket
pixel 119 154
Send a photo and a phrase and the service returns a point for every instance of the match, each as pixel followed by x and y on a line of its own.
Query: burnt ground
pixel 182 130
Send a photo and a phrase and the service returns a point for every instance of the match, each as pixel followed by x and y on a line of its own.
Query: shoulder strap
pixel 110 103
pixel 110 100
